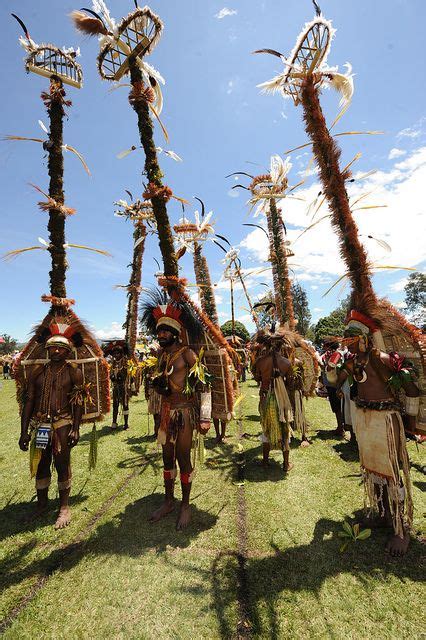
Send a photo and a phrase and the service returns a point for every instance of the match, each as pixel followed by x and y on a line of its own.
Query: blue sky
pixel 218 123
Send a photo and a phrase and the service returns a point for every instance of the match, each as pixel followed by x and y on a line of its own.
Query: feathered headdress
pixel 61 332
pixel 110 345
pixel 158 309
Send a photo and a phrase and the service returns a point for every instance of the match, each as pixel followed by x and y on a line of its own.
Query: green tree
pixel 415 298
pixel 300 305
pixel 7 345
pixel 301 308
pixel 333 324
pixel 265 317
pixel 239 330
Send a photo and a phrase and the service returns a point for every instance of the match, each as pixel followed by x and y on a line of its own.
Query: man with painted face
pixel 185 404
pixel 379 427
pixel 50 421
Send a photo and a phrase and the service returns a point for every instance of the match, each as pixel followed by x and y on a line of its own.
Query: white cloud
pixel 396 153
pixel 223 13
pixel 317 309
pixel 317 257
pixel 231 85
pixel 399 305
pixel 399 285
pixel 233 193
pixel 115 330
pixel 409 132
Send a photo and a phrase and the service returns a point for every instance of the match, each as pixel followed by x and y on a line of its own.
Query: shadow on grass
pixel 129 533
pixel 102 432
pixel 420 485
pixel 252 418
pixel 16 517
pixel 347 451
pixel 298 569
pixel 221 459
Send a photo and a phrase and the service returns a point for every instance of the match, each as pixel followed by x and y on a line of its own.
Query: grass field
pixel 261 559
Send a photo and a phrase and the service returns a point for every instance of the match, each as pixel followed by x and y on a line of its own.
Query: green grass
pixel 113 575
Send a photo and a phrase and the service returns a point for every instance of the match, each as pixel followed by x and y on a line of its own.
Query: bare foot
pixel 339 433
pixel 166 508
pixel 305 443
pixel 184 517
pixel 288 467
pixel 39 512
pixel 396 546
pixel 376 522
pixel 63 519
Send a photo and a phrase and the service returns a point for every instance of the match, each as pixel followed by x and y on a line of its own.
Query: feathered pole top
pixel 189 233
pixel 309 58
pixel 50 61
pixel 136 35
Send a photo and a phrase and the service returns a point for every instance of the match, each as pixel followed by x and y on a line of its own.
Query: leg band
pixel 126 412
pixel 169 474
pixel 186 478
pixel 42 483
pixel 65 484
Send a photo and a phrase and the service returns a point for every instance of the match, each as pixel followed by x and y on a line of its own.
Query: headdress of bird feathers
pixel 110 345
pixel 47 60
pixel 157 302
pixel 85 349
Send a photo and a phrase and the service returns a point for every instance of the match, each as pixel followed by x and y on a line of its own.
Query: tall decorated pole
pixel 140 213
pixel 123 48
pixel 266 191
pixel 191 236
pixel 61 325
pixel 305 74
pixel 125 370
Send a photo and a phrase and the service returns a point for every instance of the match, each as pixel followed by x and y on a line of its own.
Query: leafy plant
pixel 352 533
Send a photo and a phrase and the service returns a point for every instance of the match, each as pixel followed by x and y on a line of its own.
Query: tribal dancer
pixel 267 192
pixel 219 358
pixel 379 425
pixel 51 417
pixel 186 403
pixel 269 370
pixel 121 379
pixel 382 440
pixel 60 375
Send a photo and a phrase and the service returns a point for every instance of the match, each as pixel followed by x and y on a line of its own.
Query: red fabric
pixel 185 478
